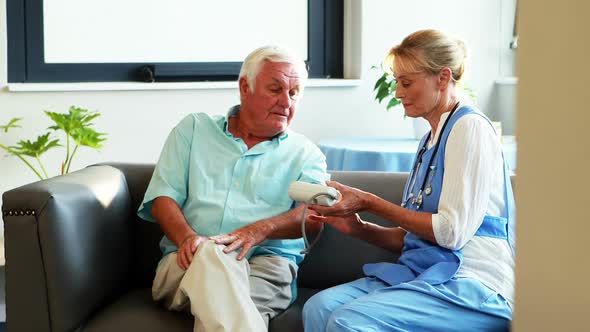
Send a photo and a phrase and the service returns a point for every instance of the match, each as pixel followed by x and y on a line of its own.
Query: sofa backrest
pixel 148 235
pixel 335 259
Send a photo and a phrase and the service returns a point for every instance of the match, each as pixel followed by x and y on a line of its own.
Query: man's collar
pixel 233 111
pixel 224 123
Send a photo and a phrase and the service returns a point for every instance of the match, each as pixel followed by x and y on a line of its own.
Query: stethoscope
pixel 409 194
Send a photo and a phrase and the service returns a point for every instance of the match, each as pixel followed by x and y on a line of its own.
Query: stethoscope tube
pixel 306 242
pixel 417 200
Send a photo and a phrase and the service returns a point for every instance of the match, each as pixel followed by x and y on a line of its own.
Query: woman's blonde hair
pixel 430 51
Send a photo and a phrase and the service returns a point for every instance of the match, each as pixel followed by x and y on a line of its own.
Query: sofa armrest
pixel 67 244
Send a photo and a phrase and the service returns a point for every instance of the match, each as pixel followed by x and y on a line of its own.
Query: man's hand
pixel 245 237
pixel 187 250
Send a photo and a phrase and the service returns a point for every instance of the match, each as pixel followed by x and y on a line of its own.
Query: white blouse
pixel 473 186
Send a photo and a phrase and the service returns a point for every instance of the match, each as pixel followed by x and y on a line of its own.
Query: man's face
pixel 269 109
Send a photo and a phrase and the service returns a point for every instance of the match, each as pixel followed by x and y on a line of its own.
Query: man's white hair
pixel 255 60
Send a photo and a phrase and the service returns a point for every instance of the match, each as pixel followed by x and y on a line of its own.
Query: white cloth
pixel 222 293
pixel 473 186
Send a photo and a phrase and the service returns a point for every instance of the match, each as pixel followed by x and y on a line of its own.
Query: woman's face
pixel 418 91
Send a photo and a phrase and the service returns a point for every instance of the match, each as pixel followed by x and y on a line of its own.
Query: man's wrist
pixel 186 238
pixel 268 227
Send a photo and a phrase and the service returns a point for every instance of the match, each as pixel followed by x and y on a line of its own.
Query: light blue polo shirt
pixel 220 185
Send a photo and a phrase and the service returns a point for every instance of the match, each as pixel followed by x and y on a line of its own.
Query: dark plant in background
pixel 77 126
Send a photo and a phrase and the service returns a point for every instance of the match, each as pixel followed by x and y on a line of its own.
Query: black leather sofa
pixel 79 259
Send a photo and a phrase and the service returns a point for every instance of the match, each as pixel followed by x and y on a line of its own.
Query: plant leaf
pixel 11 124
pixel 37 148
pixel 382 92
pixel 392 103
pixel 75 119
pixel 88 137
pixel 380 81
pixel 385 87
pixel 392 87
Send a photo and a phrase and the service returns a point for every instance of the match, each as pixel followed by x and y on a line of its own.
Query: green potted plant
pixel 385 88
pixel 77 127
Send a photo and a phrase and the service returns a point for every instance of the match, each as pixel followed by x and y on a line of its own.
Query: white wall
pixel 137 122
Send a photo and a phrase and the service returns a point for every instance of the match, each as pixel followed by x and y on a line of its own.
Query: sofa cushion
pixel 290 320
pixel 136 311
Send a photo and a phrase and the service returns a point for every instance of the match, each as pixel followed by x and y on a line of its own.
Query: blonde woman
pixel 456 221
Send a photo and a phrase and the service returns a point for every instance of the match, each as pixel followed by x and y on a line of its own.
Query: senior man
pixel 219 193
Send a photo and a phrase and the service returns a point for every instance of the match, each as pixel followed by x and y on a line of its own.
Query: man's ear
pixel 244 87
pixel 444 77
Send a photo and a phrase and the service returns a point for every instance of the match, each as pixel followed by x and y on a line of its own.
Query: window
pixel 37 53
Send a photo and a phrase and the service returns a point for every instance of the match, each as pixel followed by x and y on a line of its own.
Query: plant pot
pixel 421 127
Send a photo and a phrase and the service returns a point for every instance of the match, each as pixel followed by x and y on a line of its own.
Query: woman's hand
pixel 351 201
pixel 347 225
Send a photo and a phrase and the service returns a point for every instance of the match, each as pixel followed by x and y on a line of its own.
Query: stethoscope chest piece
pixel 417 201
pixel 428 190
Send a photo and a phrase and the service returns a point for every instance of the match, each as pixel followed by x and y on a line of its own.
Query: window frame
pixel 26 52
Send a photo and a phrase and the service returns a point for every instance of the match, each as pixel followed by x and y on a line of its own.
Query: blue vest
pixel 422 260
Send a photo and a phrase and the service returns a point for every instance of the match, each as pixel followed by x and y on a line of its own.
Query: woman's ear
pixel 444 77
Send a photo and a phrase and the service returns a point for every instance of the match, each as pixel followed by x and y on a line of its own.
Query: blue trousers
pixel 369 304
